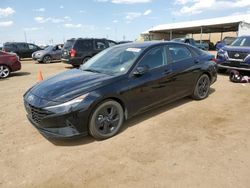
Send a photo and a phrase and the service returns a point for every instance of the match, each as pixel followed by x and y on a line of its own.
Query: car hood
pixel 236 49
pixel 39 51
pixel 69 84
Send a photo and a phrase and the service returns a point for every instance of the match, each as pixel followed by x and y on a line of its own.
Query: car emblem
pixel 30 98
pixel 236 55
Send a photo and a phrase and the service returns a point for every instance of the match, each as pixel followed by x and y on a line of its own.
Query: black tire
pixel 47 59
pixel 106 120
pixel 202 88
pixel 85 60
pixel 4 71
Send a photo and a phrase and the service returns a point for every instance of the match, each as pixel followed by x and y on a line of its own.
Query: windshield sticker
pixel 133 50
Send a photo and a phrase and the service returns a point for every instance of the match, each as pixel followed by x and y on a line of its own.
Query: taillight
pixel 72 53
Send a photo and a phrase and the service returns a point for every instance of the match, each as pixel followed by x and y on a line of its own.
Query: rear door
pixel 184 69
pixel 23 50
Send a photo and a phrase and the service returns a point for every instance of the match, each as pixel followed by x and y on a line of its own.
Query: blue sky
pixel 55 21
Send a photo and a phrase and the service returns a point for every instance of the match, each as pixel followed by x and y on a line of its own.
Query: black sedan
pixel 116 84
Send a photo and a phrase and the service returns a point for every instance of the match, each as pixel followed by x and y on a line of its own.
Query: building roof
pixel 221 24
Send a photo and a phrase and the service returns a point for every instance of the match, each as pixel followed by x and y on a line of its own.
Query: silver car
pixel 49 54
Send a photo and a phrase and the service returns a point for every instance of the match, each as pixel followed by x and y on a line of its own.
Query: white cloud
pixel 130 1
pixel 40 19
pixel 72 25
pixel 6 24
pixel 32 28
pixel 40 10
pixel 191 7
pixel 115 21
pixel 61 6
pixel 124 1
pixel 133 15
pixel 107 28
pixel 4 12
pixel 147 12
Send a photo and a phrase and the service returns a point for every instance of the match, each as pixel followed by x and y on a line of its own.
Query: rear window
pixel 68 44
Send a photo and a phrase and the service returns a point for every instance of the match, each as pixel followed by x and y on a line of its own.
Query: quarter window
pixel 179 53
pixel 154 58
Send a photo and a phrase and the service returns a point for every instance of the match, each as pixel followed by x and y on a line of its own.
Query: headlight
pixel 67 106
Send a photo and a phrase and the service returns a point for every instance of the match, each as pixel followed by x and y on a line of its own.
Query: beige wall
pixel 214 37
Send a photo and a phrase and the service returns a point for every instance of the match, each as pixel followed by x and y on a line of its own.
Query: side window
pixel 111 43
pixel 100 44
pixel 22 46
pixel 84 45
pixel 32 47
pixel 179 53
pixel 154 58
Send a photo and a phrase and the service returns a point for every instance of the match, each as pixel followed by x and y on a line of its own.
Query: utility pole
pixel 25 36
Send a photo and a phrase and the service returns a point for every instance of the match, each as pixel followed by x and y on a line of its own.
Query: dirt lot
pixel 185 144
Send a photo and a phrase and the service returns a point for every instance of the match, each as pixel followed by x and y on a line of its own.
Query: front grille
pixel 237 55
pixel 37 114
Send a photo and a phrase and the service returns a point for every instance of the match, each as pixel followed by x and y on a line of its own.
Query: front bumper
pixel 234 65
pixel 68 125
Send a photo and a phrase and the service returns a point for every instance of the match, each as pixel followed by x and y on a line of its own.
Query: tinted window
pixel 154 58
pixel 111 43
pixel 100 44
pixel 68 44
pixel 22 46
pixel 179 53
pixel 32 46
pixel 84 45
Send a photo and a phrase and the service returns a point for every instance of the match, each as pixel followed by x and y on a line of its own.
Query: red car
pixel 9 62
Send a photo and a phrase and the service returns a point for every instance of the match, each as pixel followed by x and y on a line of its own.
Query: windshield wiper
pixel 91 70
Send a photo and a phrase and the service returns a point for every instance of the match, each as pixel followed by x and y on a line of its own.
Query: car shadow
pixel 129 123
pixel 19 74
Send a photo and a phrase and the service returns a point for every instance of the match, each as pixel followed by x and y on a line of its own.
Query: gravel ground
pixel 184 144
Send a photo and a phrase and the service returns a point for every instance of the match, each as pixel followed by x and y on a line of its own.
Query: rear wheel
pixel 106 120
pixel 47 59
pixel 4 71
pixel 202 87
pixel 85 60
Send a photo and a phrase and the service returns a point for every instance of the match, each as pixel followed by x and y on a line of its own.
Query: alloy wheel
pixel 203 86
pixel 4 71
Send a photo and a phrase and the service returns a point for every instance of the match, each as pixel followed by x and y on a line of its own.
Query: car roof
pixel 148 44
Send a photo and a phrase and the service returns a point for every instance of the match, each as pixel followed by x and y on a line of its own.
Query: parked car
pixel 49 54
pixel 116 84
pixel 192 42
pixel 124 41
pixel 78 51
pixel 22 49
pixel 202 45
pixel 235 56
pixel 9 62
pixel 226 41
pixel 211 45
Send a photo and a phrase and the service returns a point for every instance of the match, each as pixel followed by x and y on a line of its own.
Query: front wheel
pixel 202 87
pixel 47 59
pixel 106 120
pixel 4 71
pixel 85 60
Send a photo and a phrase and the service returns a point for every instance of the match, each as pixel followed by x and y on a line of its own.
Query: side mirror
pixel 140 70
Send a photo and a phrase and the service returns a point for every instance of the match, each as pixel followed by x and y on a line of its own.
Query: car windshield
pixel 116 60
pixel 242 41
pixel 48 48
